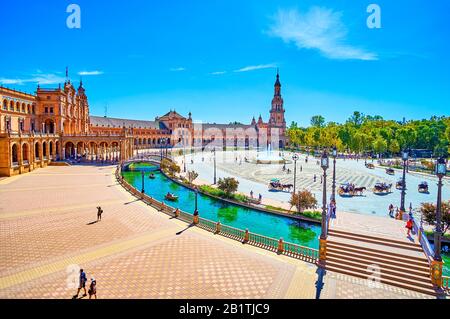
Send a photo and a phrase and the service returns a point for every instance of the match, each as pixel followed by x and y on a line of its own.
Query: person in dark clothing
pixel 99 213
pixel 93 288
pixel 82 285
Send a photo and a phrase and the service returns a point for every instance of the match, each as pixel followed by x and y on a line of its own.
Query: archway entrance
pixel 25 155
pixel 14 155
pixel 36 151
pixel 69 150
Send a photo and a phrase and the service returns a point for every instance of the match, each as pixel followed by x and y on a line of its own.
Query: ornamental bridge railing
pixel 276 245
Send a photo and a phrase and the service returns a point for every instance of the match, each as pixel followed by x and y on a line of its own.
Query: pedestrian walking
pixel 315 177
pixel 251 194
pixel 82 285
pixel 99 213
pixel 409 226
pixel 260 198
pixel 391 210
pixel 93 288
pixel 333 208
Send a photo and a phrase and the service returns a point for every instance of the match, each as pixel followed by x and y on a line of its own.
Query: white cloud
pixel 319 28
pixel 180 69
pixel 87 73
pixel 39 78
pixel 256 67
pixel 218 73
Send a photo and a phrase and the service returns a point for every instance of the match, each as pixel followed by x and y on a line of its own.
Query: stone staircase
pixel 400 263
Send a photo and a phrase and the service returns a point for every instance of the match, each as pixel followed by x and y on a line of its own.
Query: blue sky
pixel 218 59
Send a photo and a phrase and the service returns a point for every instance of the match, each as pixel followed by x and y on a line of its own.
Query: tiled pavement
pixel 134 252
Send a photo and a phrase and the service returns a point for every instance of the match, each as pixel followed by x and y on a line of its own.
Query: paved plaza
pixel 255 177
pixel 47 223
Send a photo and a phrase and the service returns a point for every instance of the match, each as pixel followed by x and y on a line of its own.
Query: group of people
pixel 259 196
pixel 82 285
pixel 409 223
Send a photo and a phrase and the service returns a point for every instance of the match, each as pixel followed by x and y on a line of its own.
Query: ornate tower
pixel 277 113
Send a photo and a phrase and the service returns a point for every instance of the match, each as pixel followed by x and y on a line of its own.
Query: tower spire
pixel 278 84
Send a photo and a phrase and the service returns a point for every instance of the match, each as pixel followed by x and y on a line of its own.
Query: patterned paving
pixel 47 225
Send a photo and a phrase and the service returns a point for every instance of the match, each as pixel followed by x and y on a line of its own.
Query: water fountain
pixel 268 156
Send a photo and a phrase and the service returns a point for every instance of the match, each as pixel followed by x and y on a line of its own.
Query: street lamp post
pixel 215 174
pixel 143 175
pixel 184 158
pixel 333 194
pixel 324 163
pixel 196 202
pixel 402 201
pixel 295 159
pixel 196 220
pixel 436 266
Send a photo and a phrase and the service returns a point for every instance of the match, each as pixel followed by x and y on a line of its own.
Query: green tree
pixel 169 167
pixel 229 185
pixel 302 200
pixel 317 121
pixel 356 119
pixel 192 175
pixel 429 214
pixel 394 147
pixel 379 145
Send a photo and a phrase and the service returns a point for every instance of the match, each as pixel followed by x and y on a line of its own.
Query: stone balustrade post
pixel 280 249
pixel 246 235
pixel 218 227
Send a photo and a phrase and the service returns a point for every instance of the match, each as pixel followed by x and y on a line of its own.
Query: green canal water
pixel 270 225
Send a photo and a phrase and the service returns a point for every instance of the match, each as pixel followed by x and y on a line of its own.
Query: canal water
pixel 266 224
pixel 270 225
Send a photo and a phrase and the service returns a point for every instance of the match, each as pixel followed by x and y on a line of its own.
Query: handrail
pixel 289 249
pixel 423 240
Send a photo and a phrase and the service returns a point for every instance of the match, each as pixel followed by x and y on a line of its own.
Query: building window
pixel 49 97
pixel 46 110
pixel 8 123
pixel 51 110
pixel 5 104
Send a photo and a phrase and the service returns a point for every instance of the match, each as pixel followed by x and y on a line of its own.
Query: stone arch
pixel 5 104
pixel 57 149
pixel 15 154
pixel 25 153
pixel 11 105
pixel 51 148
pixel 44 149
pixel 37 146
pixel 17 106
pixel 69 148
pixel 23 108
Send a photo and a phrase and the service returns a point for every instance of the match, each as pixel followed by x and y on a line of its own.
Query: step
pixel 402 272
pixel 381 261
pixel 428 290
pixel 376 252
pixel 424 283
pixel 373 258
pixel 379 242
pixel 385 239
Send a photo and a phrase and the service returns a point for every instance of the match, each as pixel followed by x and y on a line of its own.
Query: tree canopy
pixel 367 133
